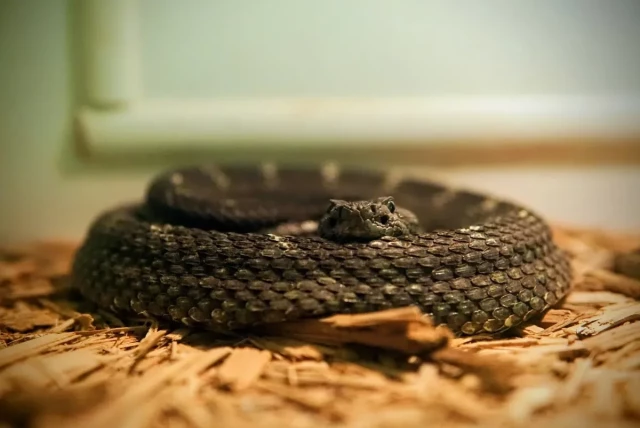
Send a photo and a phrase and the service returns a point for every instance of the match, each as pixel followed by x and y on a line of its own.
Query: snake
pixel 233 247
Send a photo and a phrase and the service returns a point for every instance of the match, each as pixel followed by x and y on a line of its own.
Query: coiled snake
pixel 198 250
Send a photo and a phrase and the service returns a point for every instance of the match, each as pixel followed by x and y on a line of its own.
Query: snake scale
pixel 226 248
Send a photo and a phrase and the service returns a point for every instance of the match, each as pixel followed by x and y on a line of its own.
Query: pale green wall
pixel 47 192
pixel 41 193
pixel 389 47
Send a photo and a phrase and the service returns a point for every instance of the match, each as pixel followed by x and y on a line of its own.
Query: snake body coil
pixel 195 252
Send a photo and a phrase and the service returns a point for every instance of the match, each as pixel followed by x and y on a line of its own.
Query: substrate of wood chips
pixel 62 363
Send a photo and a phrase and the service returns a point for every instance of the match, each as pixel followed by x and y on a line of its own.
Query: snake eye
pixel 336 204
pixel 392 206
pixel 333 222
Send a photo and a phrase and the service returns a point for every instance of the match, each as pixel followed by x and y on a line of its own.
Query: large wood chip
pixel 242 368
pixel 405 330
pixel 609 317
pixel 390 316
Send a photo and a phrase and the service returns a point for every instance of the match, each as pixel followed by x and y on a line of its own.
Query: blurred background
pixel 536 101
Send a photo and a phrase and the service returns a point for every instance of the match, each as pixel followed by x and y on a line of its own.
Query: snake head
pixel 365 220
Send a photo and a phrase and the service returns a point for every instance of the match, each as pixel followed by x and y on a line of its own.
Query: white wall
pixel 46 192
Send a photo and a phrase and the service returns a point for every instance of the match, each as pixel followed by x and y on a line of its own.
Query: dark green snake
pixel 230 248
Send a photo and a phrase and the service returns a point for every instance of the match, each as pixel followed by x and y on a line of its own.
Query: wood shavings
pixel 59 370
pixel 31 290
pixel 148 343
pixel 628 264
pixel 630 362
pixel 525 402
pixel 33 347
pixel 295 350
pixel 23 318
pixel 578 365
pixel 616 283
pixel 595 299
pixel 614 338
pixel 631 400
pixel 496 373
pixel 316 400
pixel 594 239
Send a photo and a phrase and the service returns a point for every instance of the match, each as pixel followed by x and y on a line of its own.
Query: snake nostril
pixel 373 209
pixel 384 219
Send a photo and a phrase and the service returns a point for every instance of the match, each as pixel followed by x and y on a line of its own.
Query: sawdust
pixel 63 363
